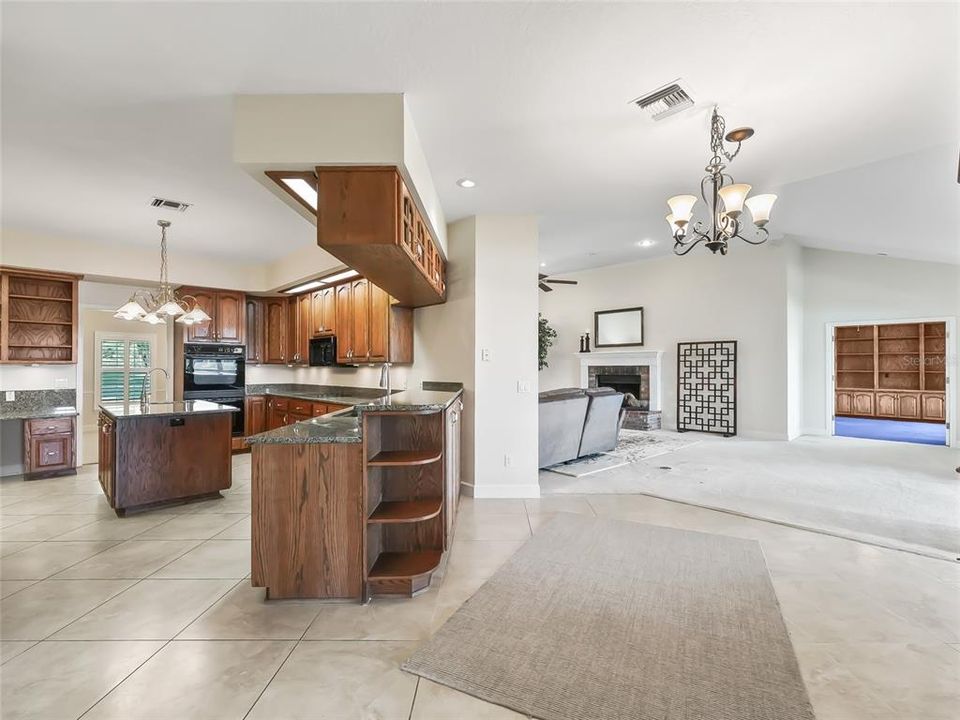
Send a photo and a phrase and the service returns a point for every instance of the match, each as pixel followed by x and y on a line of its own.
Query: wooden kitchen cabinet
pixel 863 403
pixel 368 218
pixel 255 329
pixel 908 406
pixel 376 329
pixel 275 330
pixel 226 309
pixel 277 413
pixel 323 312
pixel 38 317
pixel 304 327
pixel 107 456
pixel 255 415
pixel 451 468
pixel 49 447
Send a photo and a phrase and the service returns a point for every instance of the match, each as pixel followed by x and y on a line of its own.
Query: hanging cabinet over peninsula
pixel 368 218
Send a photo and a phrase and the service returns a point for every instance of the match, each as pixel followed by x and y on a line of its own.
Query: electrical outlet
pixel 10 396
pixel 485 355
pixel 507 461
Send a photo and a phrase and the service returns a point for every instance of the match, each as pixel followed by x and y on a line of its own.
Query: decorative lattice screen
pixel 707 387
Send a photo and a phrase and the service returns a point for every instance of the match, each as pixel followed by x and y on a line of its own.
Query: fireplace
pixel 618 368
pixel 634 379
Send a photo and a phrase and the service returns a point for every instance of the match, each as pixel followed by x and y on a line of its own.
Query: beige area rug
pixel 633 446
pixel 598 619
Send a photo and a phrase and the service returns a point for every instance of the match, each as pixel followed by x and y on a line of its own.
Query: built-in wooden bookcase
pixel 404 477
pixel 895 371
pixel 38 317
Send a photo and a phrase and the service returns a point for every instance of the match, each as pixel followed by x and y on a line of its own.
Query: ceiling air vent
pixel 169 204
pixel 665 101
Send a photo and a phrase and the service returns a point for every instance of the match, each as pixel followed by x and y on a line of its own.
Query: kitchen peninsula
pixel 162 453
pixel 359 502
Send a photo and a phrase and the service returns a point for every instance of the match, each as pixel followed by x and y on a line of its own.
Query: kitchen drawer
pixel 301 407
pixel 333 407
pixel 277 403
pixel 48 426
pixel 320 409
pixel 51 452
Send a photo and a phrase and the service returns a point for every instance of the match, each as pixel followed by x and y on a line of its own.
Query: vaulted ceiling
pixel 108 104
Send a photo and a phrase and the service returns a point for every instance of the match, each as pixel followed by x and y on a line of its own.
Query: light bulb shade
pixel 151 318
pixel 170 308
pixel 130 310
pixel 199 315
pixel 674 228
pixel 733 197
pixel 681 207
pixel 760 206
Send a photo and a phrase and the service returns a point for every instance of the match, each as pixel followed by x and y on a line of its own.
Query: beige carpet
pixel 597 619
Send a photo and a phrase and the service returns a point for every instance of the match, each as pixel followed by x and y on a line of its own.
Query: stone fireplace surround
pixel 648 361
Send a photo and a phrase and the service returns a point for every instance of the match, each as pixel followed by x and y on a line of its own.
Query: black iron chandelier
pixel 724 198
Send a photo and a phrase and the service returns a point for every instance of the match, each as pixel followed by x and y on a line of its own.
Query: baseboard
pixel 762 435
pixel 528 490
pixel 12 469
pixel 819 432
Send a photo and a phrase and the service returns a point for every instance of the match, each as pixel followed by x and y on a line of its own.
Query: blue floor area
pixel 897 430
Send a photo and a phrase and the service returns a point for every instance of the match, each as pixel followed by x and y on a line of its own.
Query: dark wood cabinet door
pixel 106 457
pixel 229 318
pixel 360 333
pixel 304 327
pixel 51 452
pixel 344 295
pixel 206 331
pixel 378 324
pixel 316 312
pixel 275 330
pixel 255 329
pixel 255 415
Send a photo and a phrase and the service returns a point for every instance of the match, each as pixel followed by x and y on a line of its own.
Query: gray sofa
pixel 575 423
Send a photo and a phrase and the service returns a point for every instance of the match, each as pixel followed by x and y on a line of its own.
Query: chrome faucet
pixel 385 377
pixel 144 400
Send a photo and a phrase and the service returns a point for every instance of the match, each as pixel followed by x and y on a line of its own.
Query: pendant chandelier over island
pixel 155 307
pixel 723 197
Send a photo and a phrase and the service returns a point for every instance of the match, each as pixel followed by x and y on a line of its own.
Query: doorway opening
pixel 890 382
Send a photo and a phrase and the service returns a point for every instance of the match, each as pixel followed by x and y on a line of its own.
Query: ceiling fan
pixel 543 280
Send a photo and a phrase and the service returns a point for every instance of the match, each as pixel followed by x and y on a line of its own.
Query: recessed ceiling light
pixel 543 264
pixel 466 183
pixel 882 254
pixel 304 190
pixel 646 243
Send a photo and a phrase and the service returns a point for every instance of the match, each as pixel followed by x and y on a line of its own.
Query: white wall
pixel 849 287
pixel 697 297
pixel 506 327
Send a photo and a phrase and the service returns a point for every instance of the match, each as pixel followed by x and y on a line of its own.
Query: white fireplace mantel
pixel 649 358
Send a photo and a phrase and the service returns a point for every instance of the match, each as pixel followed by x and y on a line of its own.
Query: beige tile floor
pixel 153 617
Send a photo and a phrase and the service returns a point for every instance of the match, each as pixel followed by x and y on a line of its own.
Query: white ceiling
pixel 108 104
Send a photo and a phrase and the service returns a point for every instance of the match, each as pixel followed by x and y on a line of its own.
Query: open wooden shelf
pixel 404 565
pixel 404 458
pixel 41 322
pixel 406 511
pixel 40 297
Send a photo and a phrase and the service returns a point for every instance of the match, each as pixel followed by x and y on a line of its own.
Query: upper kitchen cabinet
pixel 370 326
pixel 227 310
pixel 368 218
pixel 38 317
pixel 299 328
pixel 275 321
pixel 256 329
pixel 323 311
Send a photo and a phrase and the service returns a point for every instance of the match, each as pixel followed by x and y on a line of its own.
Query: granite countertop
pixel 345 426
pixel 320 393
pixel 38 412
pixel 165 409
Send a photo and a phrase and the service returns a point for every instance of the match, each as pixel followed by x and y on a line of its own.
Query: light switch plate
pixel 523 386
pixel 485 355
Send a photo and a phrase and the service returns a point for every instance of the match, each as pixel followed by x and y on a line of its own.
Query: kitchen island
pixel 163 453
pixel 357 503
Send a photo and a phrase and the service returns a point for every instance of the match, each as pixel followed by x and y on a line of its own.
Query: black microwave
pixel 323 351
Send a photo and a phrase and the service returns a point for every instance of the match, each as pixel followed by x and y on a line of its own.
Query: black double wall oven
pixel 216 373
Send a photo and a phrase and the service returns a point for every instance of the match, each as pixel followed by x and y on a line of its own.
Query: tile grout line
pixel 413 703
pixel 152 655
pixel 296 644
